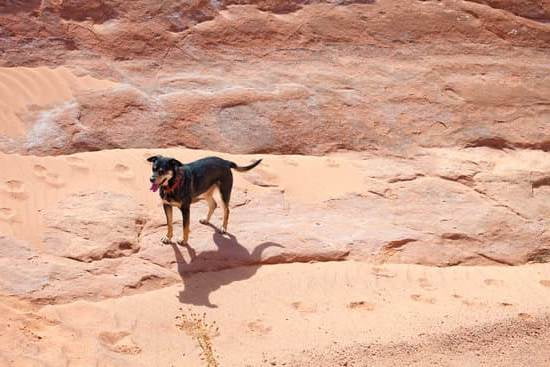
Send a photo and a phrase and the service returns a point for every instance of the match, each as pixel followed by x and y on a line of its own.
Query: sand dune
pixel 26 90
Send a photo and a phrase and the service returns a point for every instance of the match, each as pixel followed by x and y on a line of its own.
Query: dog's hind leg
pixel 226 184
pixel 225 217
pixel 209 197
pixel 169 219
pixel 211 207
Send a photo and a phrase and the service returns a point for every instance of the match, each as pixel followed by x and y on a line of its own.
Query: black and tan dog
pixel 183 184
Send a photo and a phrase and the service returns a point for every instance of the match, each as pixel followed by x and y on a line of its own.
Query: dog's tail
pixel 245 168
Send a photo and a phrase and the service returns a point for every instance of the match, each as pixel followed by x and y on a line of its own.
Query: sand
pixel 271 316
pixel 27 90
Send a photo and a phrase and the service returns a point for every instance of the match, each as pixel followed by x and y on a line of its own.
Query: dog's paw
pixel 203 221
pixel 182 243
pixel 166 240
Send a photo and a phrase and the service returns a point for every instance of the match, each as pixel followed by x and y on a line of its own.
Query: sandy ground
pixel 321 314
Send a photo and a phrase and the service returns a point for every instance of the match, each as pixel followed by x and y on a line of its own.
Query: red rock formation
pixel 292 77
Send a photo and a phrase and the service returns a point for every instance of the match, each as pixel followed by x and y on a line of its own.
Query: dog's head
pixel 164 169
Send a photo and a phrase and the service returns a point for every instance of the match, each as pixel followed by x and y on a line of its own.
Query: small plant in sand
pixel 196 326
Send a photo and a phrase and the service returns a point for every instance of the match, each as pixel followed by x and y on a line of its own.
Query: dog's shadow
pixel 229 254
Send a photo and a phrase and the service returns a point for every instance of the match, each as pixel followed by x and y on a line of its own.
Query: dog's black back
pixel 199 176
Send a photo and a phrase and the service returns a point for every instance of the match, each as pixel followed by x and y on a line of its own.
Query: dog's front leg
pixel 185 213
pixel 169 219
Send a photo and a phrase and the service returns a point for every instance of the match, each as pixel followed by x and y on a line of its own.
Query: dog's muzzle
pixel 154 184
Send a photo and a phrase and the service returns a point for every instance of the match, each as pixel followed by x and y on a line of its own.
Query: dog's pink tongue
pixel 154 187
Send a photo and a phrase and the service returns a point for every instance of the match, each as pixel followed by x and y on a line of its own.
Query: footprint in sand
pixel 467 302
pixel 258 327
pixel 495 282
pixel 382 273
pixel 361 305
pixel 261 178
pixel 420 298
pixel 290 162
pixel 545 283
pixel 15 189
pixel 332 163
pixel 425 284
pixel 305 308
pixel 50 178
pixel 123 172
pixel 7 215
pixel 119 342
pixel 39 170
pixel 54 180
pixel 78 164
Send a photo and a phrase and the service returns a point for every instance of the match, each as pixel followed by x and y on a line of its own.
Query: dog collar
pixel 171 188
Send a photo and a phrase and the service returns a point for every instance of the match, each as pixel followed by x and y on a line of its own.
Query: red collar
pixel 177 182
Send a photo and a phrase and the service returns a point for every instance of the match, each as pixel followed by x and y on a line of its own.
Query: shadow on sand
pixel 230 254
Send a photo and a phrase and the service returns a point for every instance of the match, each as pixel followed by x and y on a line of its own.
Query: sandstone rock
pixel 46 279
pixel 17 276
pixel 440 207
pixel 414 211
pixel 15 249
pixel 286 77
pixel 108 278
pixel 451 109
pixel 532 9
pixel 93 226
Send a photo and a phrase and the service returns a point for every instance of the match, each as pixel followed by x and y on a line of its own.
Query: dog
pixel 183 184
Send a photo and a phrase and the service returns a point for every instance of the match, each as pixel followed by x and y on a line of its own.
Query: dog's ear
pixel 175 163
pixel 153 159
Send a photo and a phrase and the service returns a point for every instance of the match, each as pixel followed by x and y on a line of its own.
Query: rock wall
pixel 305 77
